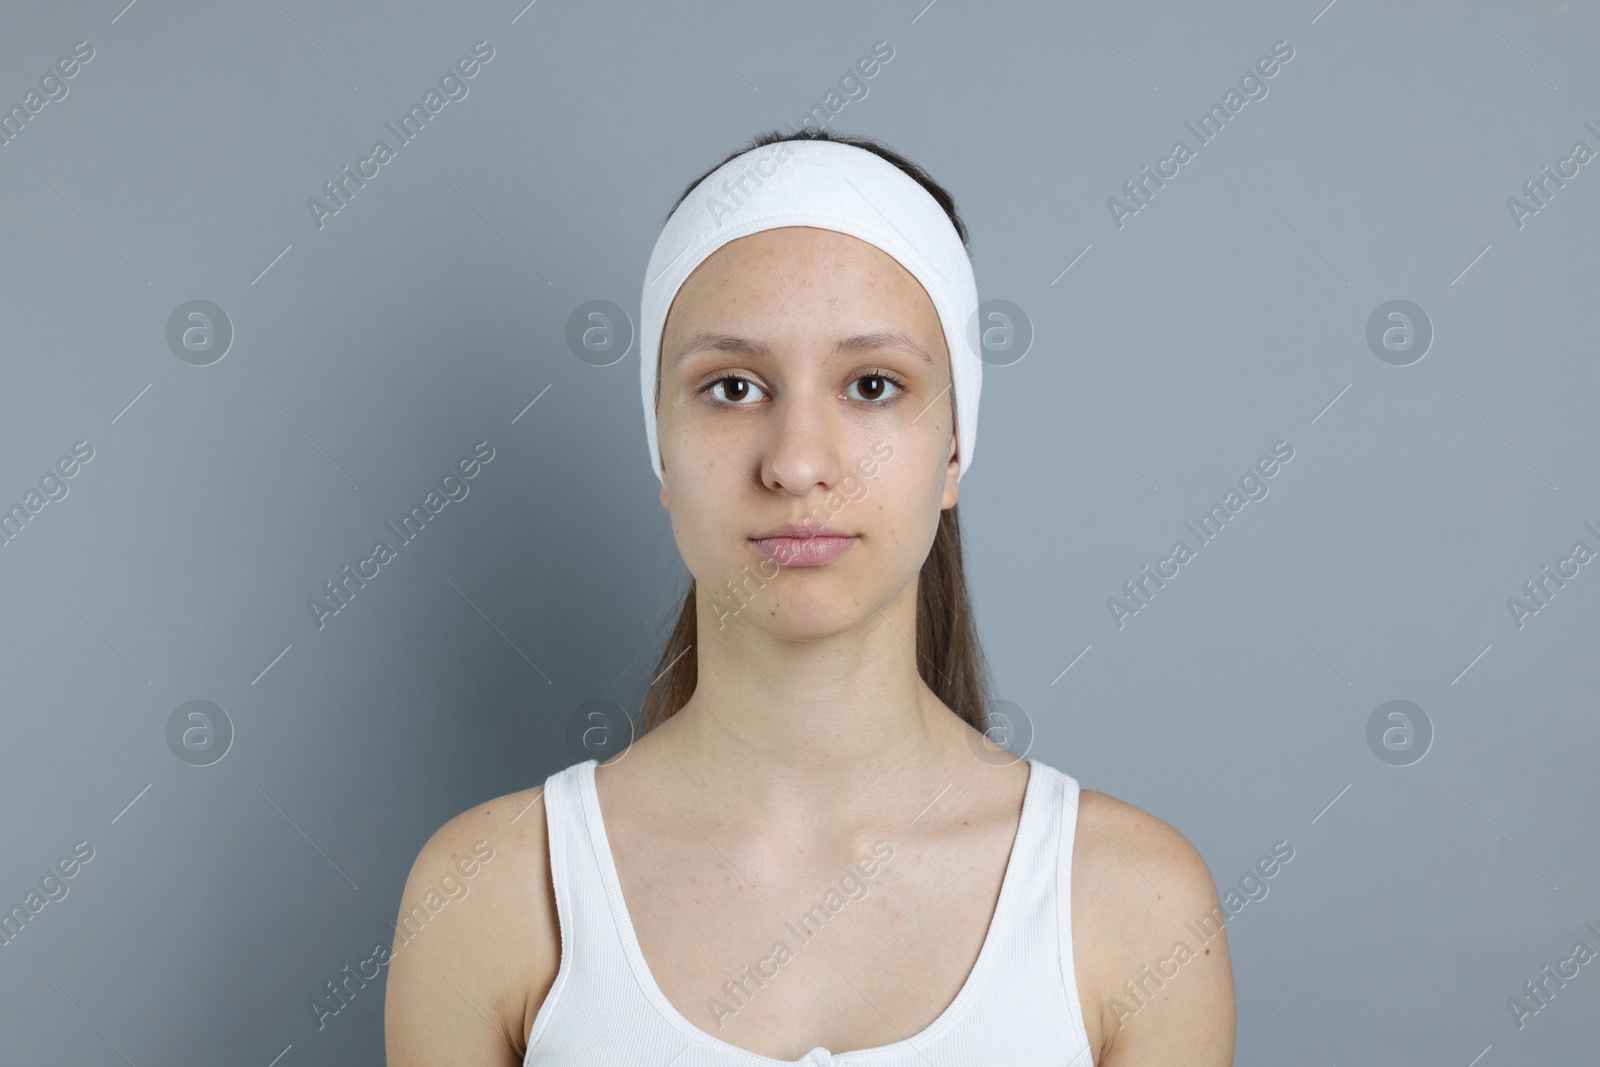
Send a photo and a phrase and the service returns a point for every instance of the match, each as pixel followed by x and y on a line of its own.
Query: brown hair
pixel 949 657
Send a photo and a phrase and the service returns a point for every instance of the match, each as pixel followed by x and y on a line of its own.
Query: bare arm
pixel 477 944
pixel 1162 977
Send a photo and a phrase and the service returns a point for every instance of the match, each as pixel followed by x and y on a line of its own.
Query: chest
pixel 778 948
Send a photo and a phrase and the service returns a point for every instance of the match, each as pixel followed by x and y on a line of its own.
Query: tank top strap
pixel 1070 795
pixel 567 838
pixel 1031 870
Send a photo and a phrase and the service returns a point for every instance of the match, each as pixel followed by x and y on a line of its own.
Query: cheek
pixel 690 536
pixel 700 448
pixel 705 520
pixel 904 513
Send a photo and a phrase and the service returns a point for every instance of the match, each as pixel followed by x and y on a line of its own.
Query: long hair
pixel 949 658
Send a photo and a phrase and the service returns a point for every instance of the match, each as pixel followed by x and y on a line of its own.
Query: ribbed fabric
pixel 1019 1006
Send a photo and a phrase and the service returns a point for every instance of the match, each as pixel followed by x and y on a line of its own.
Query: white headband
pixel 831 186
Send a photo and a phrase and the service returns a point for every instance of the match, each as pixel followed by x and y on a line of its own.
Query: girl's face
pixel 804 378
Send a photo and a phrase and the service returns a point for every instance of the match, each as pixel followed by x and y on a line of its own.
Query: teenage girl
pixel 813 853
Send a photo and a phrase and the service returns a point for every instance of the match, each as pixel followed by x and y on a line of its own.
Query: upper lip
pixel 789 529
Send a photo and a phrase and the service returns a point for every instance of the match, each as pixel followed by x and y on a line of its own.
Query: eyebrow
pixel 711 340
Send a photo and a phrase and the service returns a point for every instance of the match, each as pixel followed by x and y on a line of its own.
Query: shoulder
pixel 1134 862
pixel 478 914
pixel 1150 944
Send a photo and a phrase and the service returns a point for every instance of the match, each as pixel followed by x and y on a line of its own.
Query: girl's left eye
pixel 882 381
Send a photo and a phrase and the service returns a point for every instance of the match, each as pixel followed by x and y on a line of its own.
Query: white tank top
pixel 1019 1006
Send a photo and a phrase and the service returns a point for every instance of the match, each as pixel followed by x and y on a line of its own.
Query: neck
pixel 828 736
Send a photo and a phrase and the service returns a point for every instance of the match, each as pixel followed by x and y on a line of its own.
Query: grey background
pixel 371 354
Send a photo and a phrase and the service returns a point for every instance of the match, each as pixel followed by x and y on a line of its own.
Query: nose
pixel 804 443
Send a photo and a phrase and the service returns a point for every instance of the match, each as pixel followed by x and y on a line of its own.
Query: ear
pixel 664 501
pixel 951 473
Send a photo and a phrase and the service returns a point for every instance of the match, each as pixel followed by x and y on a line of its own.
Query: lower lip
pixel 803 551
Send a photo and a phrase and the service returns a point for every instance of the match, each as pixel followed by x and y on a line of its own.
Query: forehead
pixel 805 273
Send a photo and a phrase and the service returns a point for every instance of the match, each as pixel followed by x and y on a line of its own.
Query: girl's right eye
pixel 735 391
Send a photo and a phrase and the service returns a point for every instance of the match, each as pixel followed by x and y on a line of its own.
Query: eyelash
pixel 893 379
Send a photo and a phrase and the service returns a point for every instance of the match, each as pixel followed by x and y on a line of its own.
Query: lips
pixel 790 545
pixel 789 529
